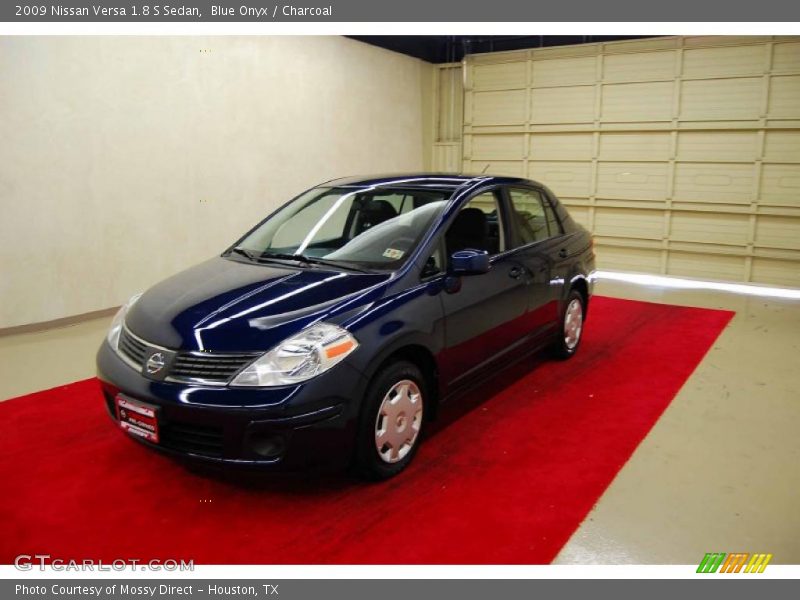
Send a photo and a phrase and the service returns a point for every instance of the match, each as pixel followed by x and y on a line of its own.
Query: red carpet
pixel 506 480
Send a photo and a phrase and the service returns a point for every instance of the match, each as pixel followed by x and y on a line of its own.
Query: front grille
pixel 134 349
pixel 208 366
pixel 197 439
pixel 214 368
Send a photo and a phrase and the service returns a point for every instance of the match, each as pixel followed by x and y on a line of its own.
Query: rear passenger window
pixel 553 224
pixel 533 219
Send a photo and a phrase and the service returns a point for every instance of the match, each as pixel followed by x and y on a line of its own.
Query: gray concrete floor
pixel 719 472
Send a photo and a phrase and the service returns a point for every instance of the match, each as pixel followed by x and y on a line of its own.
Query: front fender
pixel 413 317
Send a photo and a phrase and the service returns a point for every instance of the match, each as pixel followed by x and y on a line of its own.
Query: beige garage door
pixel 681 154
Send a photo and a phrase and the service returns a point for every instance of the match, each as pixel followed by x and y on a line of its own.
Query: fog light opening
pixel 267 445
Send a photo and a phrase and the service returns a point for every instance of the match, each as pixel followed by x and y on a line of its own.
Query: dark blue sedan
pixel 334 328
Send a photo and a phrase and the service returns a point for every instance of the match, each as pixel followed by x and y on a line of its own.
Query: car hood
pixel 231 306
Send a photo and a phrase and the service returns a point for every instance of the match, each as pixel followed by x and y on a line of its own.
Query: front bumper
pixel 295 426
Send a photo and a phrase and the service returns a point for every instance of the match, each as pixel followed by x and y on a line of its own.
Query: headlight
pixel 119 320
pixel 300 357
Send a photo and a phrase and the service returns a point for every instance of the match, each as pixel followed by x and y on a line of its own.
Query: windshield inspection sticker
pixel 393 253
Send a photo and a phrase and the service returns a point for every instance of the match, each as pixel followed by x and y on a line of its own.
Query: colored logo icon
pixel 739 562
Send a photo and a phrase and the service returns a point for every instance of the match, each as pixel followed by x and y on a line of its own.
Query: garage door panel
pixel 778 232
pixel 638 66
pixel 720 62
pixel 497 167
pixel 636 260
pixel 637 102
pixel 738 98
pixel 503 75
pixel 579 214
pixel 727 183
pixel 776 272
pixel 718 145
pixel 635 146
pixel 562 105
pixel 709 227
pixel 503 147
pixel 694 41
pixel 621 222
pixel 705 266
pixel 564 71
pixel 564 178
pixel 786 57
pixel 647 181
pixel 499 108
pixel 681 154
pixel 782 146
pixel 784 96
pixel 780 184
pixel 561 146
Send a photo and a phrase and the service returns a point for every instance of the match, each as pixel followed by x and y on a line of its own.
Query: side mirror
pixel 469 262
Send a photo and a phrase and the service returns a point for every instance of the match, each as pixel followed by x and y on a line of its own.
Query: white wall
pixel 126 159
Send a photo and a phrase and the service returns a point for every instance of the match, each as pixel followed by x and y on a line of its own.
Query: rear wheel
pixel 571 329
pixel 391 422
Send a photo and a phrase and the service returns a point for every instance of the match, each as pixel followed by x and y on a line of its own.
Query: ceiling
pixel 452 48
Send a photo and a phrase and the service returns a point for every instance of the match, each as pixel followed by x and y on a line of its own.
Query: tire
pixel 570 331
pixel 391 407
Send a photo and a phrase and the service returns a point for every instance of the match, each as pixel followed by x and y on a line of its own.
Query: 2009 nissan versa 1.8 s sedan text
pixel 334 328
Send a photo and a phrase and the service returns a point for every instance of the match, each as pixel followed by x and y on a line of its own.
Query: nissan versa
pixel 333 329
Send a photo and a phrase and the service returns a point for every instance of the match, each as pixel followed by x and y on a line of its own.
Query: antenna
pixel 486 167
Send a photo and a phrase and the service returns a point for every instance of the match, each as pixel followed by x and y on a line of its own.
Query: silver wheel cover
pixel 399 421
pixel 573 324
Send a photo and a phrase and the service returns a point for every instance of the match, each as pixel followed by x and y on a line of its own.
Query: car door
pixel 484 317
pixel 537 237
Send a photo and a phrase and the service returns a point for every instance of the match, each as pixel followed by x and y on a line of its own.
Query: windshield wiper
pixel 265 256
pixel 283 256
pixel 334 263
pixel 245 253
pixel 312 260
pixel 306 260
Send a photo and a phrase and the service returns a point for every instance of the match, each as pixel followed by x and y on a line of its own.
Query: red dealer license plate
pixel 138 418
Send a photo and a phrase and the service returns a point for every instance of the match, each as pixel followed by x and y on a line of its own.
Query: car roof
pixel 450 181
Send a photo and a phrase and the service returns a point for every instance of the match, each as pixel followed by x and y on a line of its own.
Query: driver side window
pixel 478 226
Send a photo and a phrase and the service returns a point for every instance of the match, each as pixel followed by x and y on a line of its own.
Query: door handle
pixel 563 253
pixel 515 272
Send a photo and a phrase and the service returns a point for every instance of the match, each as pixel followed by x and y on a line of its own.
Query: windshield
pixel 371 228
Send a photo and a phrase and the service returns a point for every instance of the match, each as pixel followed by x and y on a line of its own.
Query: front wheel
pixel 571 330
pixel 391 422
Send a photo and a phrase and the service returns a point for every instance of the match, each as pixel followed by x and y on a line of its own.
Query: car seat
pixel 374 213
pixel 469 230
